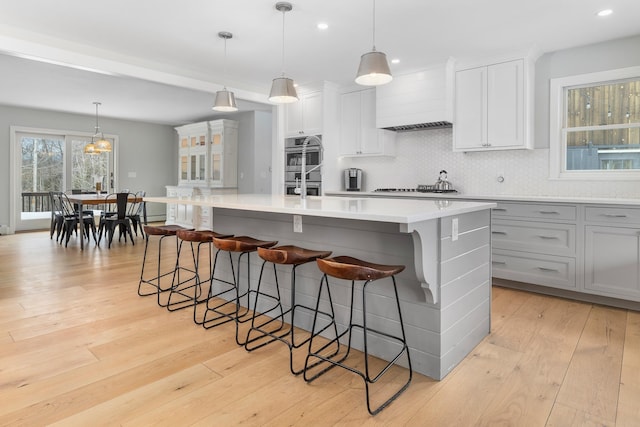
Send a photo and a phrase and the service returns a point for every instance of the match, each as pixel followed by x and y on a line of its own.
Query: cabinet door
pixel 312 113
pixel 350 123
pixel 612 261
pixel 293 117
pixel 184 166
pixel 471 109
pixel 305 116
pixel 216 168
pixel 505 106
pixel 371 139
pixel 197 166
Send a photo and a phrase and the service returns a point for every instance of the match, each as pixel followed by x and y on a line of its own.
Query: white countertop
pixel 402 211
pixel 497 197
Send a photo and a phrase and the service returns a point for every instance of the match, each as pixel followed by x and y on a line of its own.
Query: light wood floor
pixel 79 347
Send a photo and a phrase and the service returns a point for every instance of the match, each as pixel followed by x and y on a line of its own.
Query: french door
pixel 47 161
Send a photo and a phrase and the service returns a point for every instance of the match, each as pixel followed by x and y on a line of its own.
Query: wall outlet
pixel 297 223
pixel 454 229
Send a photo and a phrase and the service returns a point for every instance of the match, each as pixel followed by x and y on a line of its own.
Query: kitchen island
pixel 445 291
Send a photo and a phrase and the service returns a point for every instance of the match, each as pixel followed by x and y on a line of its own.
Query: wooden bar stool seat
pixel 223 304
pixel 154 283
pixel 185 292
pixel 353 269
pixel 263 332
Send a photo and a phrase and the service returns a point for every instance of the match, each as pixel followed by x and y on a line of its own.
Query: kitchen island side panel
pixel 465 289
pixel 369 240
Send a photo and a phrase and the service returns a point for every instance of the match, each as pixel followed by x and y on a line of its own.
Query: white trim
pixel 557 148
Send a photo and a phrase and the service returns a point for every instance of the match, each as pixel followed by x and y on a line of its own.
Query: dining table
pixel 80 200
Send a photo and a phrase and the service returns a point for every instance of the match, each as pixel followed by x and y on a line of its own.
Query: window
pixel 53 161
pixel 595 125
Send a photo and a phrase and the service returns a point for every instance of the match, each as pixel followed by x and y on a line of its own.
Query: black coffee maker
pixel 353 179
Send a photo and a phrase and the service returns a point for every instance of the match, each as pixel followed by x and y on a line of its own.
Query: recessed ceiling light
pixel 605 12
pixel 395 61
pixel 323 25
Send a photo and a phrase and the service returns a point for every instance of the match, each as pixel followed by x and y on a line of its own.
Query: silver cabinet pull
pixel 547 237
pixel 499 262
pixel 553 270
pixel 549 212
pixel 499 210
pixel 615 215
pixel 499 232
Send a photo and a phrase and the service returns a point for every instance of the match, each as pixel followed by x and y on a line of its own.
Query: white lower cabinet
pixel 547 270
pixel 612 252
pixel 535 243
pixel 591 249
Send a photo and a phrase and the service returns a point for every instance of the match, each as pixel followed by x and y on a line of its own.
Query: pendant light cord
pixel 282 66
pixel 97 126
pixel 224 68
pixel 374 25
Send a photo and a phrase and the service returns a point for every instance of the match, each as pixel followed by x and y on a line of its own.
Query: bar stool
pixel 163 231
pixel 348 268
pixel 284 255
pixel 180 292
pixel 215 313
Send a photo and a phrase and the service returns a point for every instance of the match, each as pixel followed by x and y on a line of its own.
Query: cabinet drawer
pixel 528 236
pixel 536 211
pixel 553 271
pixel 615 215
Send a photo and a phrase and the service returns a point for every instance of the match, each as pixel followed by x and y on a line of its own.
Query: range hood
pixel 418 101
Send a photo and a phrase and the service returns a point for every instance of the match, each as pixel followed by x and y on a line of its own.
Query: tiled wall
pixel 422 154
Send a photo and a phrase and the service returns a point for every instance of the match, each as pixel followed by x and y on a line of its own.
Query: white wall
pixel 422 154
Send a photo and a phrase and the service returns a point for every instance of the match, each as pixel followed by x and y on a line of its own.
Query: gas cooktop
pixel 419 189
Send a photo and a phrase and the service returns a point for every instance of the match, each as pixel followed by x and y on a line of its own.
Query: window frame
pixel 14 166
pixel 557 131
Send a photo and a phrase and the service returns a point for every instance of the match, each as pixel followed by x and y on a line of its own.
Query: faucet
pixel 303 169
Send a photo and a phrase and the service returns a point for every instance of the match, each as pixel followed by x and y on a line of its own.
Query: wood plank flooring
pixel 79 347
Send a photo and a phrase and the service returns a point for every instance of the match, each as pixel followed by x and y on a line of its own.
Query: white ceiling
pixel 162 61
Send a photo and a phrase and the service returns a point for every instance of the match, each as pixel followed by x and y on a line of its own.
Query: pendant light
pixel 282 89
pixel 98 142
pixel 374 68
pixel 225 99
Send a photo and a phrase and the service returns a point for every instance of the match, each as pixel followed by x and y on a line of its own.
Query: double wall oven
pixel 293 166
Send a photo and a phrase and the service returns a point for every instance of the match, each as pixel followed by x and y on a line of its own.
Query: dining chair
pixel 120 220
pixel 71 218
pixel 134 212
pixel 109 209
pixel 57 218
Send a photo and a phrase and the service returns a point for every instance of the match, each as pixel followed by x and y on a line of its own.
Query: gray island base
pixel 445 291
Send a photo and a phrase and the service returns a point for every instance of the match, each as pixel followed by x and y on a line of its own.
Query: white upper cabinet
pixel 208 153
pixel 304 117
pixel 492 107
pixel 358 133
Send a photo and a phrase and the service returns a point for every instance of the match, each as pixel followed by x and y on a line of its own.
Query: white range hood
pixel 417 101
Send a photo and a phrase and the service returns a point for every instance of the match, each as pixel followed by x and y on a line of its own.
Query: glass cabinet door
pixel 184 168
pixel 216 167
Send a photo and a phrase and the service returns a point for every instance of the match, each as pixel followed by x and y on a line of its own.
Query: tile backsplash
pixel 422 154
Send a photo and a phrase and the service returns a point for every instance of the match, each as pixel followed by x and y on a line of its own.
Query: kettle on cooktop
pixel 443 184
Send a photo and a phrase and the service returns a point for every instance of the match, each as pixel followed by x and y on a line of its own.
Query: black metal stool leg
pixel 367 376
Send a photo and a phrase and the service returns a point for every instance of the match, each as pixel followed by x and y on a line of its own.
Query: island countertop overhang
pixel 358 208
